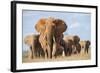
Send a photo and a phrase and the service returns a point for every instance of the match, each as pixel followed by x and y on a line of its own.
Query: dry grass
pixel 81 56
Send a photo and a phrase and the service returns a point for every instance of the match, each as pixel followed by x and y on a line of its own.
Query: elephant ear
pixel 60 26
pixel 40 26
pixel 76 39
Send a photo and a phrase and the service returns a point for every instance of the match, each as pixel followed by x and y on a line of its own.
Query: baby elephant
pixel 35 47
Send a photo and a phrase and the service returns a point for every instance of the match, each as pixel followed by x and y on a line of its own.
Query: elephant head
pixel 49 29
pixel 58 23
pixel 76 39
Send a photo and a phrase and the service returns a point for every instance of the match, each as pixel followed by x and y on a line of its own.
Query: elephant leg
pixel 45 53
pixel 59 51
pixel 86 50
pixel 49 52
pixel 70 51
pixel 54 50
pixel 79 50
pixel 44 50
pixel 65 51
pixel 33 52
pixel 38 52
pixel 42 54
pixel 75 50
pixel 30 53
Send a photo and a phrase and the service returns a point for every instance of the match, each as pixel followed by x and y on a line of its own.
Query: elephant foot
pixel 45 56
pixel 49 57
pixel 68 54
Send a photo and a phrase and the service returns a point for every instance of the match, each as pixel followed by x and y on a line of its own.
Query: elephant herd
pixel 50 41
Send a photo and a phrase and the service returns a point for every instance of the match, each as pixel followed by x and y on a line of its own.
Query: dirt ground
pixel 81 56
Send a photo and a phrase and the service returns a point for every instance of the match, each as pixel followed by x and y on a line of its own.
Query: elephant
pixel 85 45
pixel 49 28
pixel 68 47
pixel 71 44
pixel 35 47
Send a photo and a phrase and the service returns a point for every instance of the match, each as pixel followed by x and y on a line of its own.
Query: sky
pixel 78 23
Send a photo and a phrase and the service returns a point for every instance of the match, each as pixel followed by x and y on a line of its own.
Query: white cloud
pixel 74 25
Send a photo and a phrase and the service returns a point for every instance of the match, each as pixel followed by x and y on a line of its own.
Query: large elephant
pixel 35 47
pixel 49 28
pixel 71 44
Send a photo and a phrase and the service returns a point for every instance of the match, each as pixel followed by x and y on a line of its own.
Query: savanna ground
pixel 81 56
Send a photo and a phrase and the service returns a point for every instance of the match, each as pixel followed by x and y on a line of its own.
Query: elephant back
pixel 60 26
pixel 68 37
pixel 40 26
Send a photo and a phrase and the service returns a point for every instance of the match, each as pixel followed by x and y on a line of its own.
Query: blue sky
pixel 78 23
